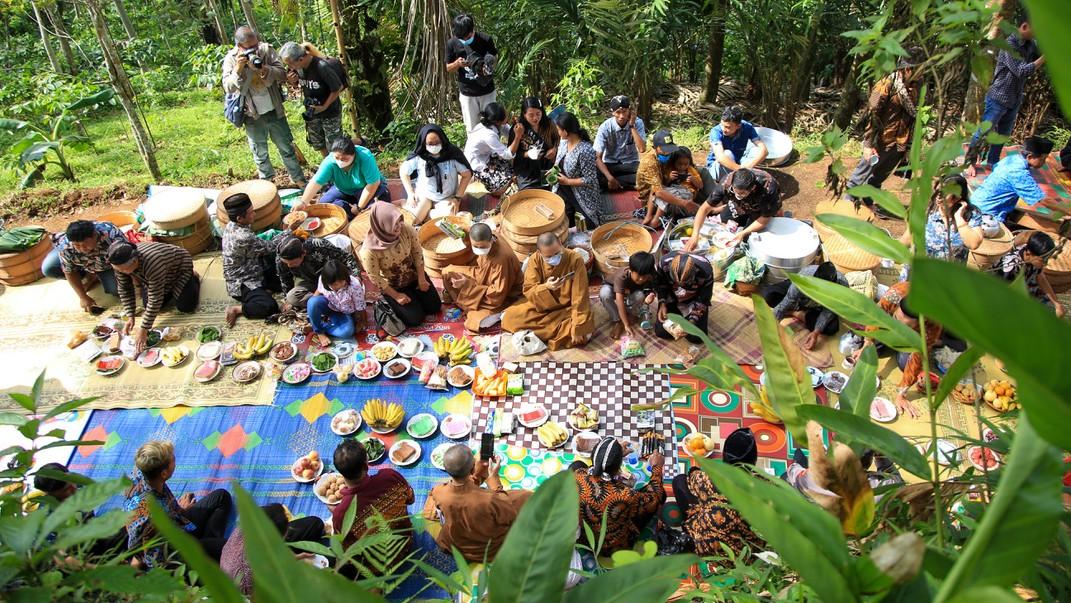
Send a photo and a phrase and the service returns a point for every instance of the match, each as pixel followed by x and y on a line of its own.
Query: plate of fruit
pixel 369 368
pixel 329 488
pixel 698 445
pixel 382 416
pixel 384 351
pixel 307 468
pixel 374 448
pixel 346 422
pixel 297 373
pixel 584 417
pixel 552 434
pixel 1000 395
pixel 174 355
pixel 982 458
pixel 532 415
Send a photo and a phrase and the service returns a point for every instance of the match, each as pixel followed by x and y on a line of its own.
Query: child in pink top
pixel 338 306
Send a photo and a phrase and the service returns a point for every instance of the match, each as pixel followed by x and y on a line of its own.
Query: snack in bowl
pixel 374 448
pixel 584 442
pixel 208 371
pixel 367 369
pixel 381 416
pixel 102 331
pixel 384 351
pixel 410 346
pixel 174 355
pixel 584 417
pixel 966 392
pixel 983 459
pixel 460 376
pixel 306 468
pixel 342 373
pixel 329 488
pixel 397 368
pixel 422 425
pixel 882 410
pixel 835 381
pixel 552 435
pixel 346 422
pixel 297 373
pixel 284 351
pixel 323 362
pixel 294 219
pixel 697 444
pixel 246 372
pixel 456 426
pixel 438 453
pixel 404 453
pixel 533 415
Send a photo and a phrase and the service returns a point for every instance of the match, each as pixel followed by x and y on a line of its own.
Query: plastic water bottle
pixel 645 318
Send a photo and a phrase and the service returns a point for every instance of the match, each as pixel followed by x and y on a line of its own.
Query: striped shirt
pixel 163 271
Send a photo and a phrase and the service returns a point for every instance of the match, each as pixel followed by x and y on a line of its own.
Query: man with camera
pixel 320 82
pixel 253 70
pixel 473 56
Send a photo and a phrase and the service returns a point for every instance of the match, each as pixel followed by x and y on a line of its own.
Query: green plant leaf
pixel 854 428
pixel 862 385
pixel 976 307
pixel 885 199
pixel 1019 523
pixel 1049 18
pixel 989 594
pixel 84 500
pixel 101 97
pixel 11 418
pixel 534 560
pixel 788 386
pixel 124 579
pixel 24 401
pixel 648 580
pixel 963 364
pixel 866 236
pixel 855 307
pixel 68 406
pixel 807 538
pixel 218 584
pixel 724 372
pixel 100 526
pixel 18 533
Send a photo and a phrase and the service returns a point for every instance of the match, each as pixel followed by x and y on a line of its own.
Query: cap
pixel 121 252
pixel 620 102
pixel 1036 145
pixel 663 141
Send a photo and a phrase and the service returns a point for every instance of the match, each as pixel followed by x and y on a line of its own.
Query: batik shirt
pixel 317 252
pixel 939 237
pixel 140 529
pixel 242 258
pixel 96 261
pixel 1012 263
pixel 626 508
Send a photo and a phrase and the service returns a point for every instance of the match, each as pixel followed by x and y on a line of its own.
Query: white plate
pixel 437 454
pixel 343 349
pixel 318 561
pixel 372 460
pixel 568 436
pixel 387 347
pixel 947 455
pixel 379 369
pixel 461 421
pixel 108 373
pixel 185 356
pixel 469 372
pixel 414 418
pixel 328 370
pixel 290 371
pixel 978 466
pixel 571 420
pixel 210 350
pixel 883 418
pixel 684 444
pixel 302 480
pixel 360 421
pixel 816 376
pixel 826 381
pixel 584 435
pixel 254 375
pixel 284 359
pixel 407 345
pixel 324 478
pixel 144 361
pixel 413 460
pixel 402 361
pixel 219 368
pixel 546 415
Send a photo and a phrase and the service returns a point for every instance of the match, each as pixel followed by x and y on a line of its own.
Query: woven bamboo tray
pixel 264 195
pixel 197 241
pixel 332 217
pixel 121 219
pixel 1058 268
pixel 24 267
pixel 625 239
pixel 441 250
pixel 175 209
pixel 846 256
pixel 840 208
pixel 990 250
pixel 532 212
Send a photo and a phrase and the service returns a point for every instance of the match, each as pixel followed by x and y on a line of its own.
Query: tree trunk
pixel 364 51
pixel 124 18
pixel 217 21
pixel 301 21
pixel 976 89
pixel 41 29
pixel 715 52
pixel 801 76
pixel 340 41
pixel 64 38
pixel 849 99
pixel 121 83
pixel 250 17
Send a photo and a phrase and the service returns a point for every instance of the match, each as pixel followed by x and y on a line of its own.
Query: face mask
pixel 344 164
pixel 469 40
pixel 555 259
pixel 435 149
pixel 680 292
pixel 481 250
pixel 663 158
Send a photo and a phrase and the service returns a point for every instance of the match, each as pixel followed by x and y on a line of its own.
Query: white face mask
pixel 344 164
pixel 435 149
pixel 481 250
pixel 555 259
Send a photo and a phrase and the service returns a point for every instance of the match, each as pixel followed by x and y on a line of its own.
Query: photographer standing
pixel 253 69
pixel 473 56
pixel 321 81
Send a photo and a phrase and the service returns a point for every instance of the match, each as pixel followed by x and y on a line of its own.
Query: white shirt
pixel 482 144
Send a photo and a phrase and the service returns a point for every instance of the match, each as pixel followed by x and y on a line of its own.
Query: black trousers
pixel 210 514
pixel 876 174
pixel 700 322
pixel 305 529
pixel 625 173
pixel 684 496
pixel 187 299
pixel 421 304
pixel 258 303
pixel 572 207
pixel 773 294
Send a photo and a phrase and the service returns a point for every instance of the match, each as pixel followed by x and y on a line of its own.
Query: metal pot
pixel 786 245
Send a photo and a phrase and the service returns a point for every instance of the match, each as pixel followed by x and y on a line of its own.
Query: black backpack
pixel 340 69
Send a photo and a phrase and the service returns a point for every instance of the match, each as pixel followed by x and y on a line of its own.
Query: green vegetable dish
pixel 207 334
pixel 374 448
pixel 323 362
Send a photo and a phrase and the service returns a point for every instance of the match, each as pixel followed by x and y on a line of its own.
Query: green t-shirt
pixel 351 181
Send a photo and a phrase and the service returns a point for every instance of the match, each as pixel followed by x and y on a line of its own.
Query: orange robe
pixel 491 285
pixel 557 317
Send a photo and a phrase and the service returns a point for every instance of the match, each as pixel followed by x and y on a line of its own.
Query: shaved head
pixel 458 461
pixel 548 240
pixel 480 232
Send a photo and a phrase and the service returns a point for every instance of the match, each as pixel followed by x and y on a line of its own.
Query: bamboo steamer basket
pixel 561 230
pixel 359 225
pixel 991 250
pixel 846 256
pixel 175 209
pixel 625 239
pixel 333 219
pixel 267 207
pixel 197 241
pixel 432 239
pixel 24 267
pixel 840 208
pixel 532 212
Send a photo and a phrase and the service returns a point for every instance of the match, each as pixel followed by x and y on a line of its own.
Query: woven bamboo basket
pixel 267 207
pixel 197 241
pixel 532 212
pixel 990 250
pixel 440 250
pixel 24 267
pixel 613 243
pixel 175 209
pixel 846 256
pixel 840 208
pixel 361 223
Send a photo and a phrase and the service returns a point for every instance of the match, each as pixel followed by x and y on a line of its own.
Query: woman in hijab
pixel 392 257
pixel 684 284
pixel 534 142
pixel 442 175
pixel 604 491
pixel 708 517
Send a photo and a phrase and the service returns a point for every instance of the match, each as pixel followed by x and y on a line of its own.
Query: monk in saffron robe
pixel 483 291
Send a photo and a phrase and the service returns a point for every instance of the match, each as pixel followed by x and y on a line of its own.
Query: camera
pixel 254 60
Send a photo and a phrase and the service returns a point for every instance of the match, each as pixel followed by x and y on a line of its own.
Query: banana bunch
pixel 551 434
pixel 442 346
pixel 764 409
pixel 256 346
pixel 460 351
pixel 382 415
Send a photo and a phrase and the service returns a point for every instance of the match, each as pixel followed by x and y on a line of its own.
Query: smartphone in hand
pixel 487 446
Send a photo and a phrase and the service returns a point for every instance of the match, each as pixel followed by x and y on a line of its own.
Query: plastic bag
pixel 745 270
pixel 632 348
pixel 527 343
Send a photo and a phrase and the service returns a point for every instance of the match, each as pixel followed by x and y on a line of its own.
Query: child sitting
pixel 674 195
pixel 338 307
pixel 627 292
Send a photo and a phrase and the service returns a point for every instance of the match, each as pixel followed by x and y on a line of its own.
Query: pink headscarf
pixel 386 226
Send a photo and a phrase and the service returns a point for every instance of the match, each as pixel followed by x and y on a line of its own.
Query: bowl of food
pixel 102 332
pixel 456 427
pixel 343 349
pixel 584 443
pixel 346 422
pixel 552 434
pixel 532 415
pixel 397 368
pixel 696 444
pixel 247 372
pixel 410 347
pixel 438 454
pixel 310 225
pixel 149 357
pixel 208 371
pixel 174 355
pixel 816 376
pixel 1001 395
pixel 835 381
pixel 207 334
pixel 154 337
pixel 369 368
pixel 329 488
pixel 284 351
pixel 583 417
pixel 947 454
pixel 323 362
pixel 110 365
pixel 460 376
pixel 423 425
pixel 405 453
pixel 983 459
pixel 296 373
pixel 382 416
pixel 307 468
pixel 210 350
pixel 882 410
pixel 966 392
pixel 374 449
pixel 384 351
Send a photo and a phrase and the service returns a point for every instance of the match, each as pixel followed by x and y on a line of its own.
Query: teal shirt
pixel 359 175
